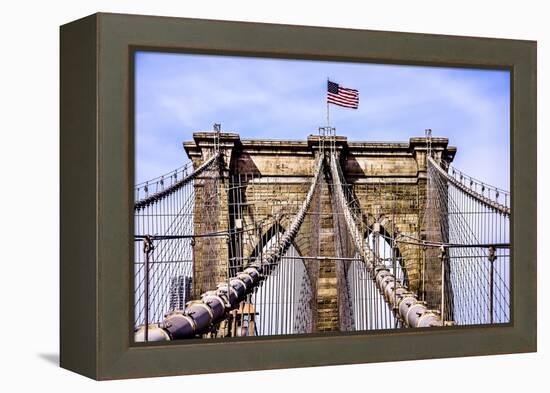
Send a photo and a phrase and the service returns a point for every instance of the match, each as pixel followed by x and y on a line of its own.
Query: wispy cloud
pixel 177 95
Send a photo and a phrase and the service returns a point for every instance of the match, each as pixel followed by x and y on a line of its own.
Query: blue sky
pixel 178 94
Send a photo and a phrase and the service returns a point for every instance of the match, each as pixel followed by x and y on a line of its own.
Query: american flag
pixel 342 96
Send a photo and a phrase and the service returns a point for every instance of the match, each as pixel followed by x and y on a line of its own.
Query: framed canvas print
pixel 290 196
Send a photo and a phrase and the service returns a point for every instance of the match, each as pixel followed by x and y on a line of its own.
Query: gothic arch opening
pixel 381 244
pixel 282 303
pixel 368 307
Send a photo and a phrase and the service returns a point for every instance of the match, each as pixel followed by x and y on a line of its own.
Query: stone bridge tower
pixel 388 179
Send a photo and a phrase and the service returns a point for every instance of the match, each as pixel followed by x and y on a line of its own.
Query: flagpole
pixel 328 111
pixel 328 117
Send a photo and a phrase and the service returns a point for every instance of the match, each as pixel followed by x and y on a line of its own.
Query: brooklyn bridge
pixel 265 237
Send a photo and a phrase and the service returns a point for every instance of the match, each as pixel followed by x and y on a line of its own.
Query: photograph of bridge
pixel 316 207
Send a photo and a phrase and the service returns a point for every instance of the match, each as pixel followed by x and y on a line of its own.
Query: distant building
pixel 180 292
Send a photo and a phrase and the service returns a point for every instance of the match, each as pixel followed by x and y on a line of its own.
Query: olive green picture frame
pixel 97 172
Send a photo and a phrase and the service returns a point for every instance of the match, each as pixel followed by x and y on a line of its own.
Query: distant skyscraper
pixel 180 292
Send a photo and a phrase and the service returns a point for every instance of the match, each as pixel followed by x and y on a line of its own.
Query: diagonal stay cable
pixel 200 316
pixel 483 199
pixel 396 293
pixel 176 186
